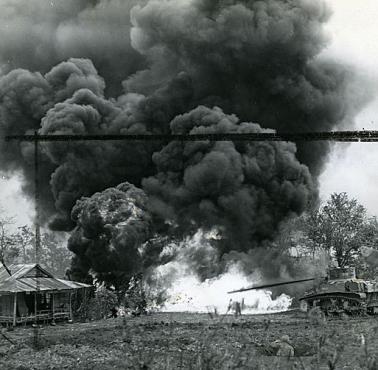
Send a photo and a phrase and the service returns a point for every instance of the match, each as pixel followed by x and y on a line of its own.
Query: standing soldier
pixel 229 307
pixel 237 308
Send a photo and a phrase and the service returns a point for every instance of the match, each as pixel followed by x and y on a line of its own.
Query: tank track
pixel 339 304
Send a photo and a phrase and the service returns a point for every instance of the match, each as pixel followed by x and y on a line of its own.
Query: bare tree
pixel 17 245
pixel 8 242
pixel 25 242
pixel 55 255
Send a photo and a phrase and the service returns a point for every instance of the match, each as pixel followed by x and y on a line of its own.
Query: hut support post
pixel 14 309
pixel 52 306
pixel 70 306
pixel 35 306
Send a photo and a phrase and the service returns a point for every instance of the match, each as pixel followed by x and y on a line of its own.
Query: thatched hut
pixel 29 293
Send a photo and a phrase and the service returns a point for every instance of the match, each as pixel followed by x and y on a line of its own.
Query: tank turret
pixel 338 292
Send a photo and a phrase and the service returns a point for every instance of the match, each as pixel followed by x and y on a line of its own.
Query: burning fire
pixel 187 293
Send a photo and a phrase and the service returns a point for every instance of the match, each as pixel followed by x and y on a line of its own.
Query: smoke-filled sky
pixel 29 30
pixel 183 66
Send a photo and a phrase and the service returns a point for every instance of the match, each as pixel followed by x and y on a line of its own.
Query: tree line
pixel 341 230
pixel 17 246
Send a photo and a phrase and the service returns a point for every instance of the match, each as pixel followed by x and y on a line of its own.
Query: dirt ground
pixel 195 341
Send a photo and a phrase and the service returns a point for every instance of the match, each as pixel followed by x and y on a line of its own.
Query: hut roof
pixel 32 277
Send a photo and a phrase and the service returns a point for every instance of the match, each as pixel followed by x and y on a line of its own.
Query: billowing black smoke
pixel 181 66
pixel 257 59
pixel 110 228
pixel 245 189
pixel 37 35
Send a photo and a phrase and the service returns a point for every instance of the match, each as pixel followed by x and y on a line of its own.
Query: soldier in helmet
pixel 284 349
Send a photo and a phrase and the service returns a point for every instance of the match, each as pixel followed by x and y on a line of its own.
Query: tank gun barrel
pixel 270 285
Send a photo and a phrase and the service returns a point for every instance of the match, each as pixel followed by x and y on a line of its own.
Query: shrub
pixel 99 307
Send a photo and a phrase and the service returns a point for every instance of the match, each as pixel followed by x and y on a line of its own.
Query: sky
pixel 13 202
pixel 352 168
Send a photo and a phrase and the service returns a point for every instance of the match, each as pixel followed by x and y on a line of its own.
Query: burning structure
pixel 28 293
pixel 178 66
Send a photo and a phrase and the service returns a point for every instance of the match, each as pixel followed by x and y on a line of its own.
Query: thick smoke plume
pixel 110 228
pixel 180 66
pixel 38 35
pixel 246 189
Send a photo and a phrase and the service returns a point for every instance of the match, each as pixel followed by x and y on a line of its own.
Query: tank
pixel 341 292
pixel 338 292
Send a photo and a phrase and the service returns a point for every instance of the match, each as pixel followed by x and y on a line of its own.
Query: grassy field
pixel 195 341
